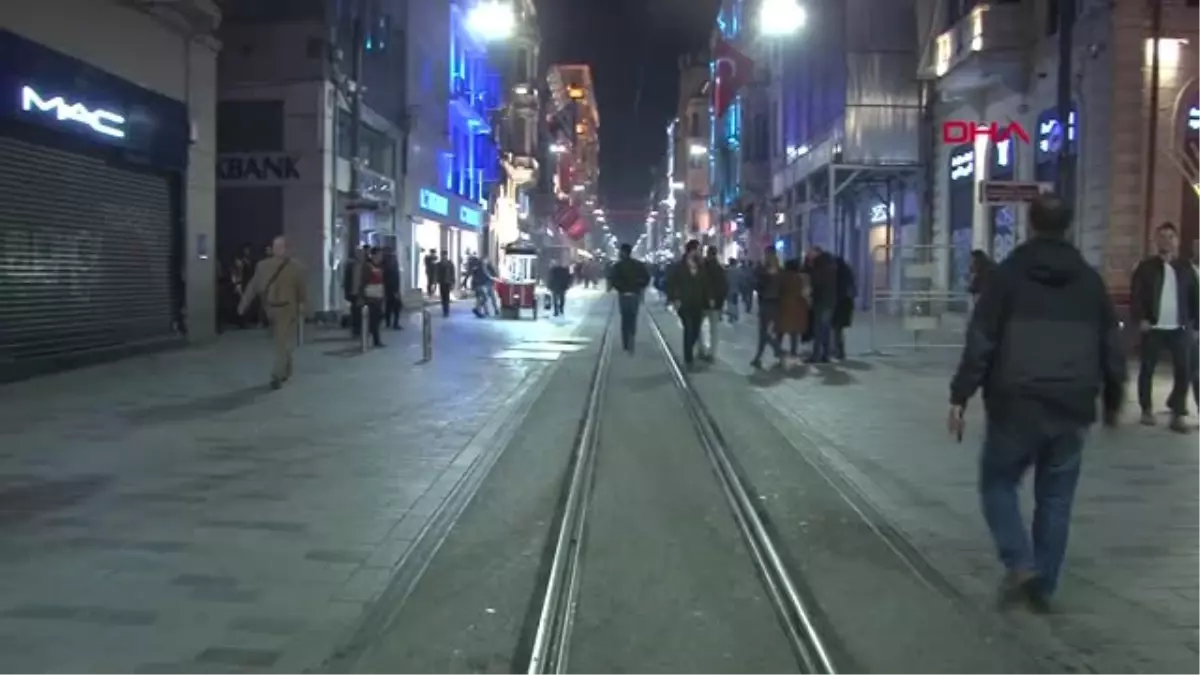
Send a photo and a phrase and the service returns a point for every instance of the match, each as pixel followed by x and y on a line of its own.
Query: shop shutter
pixel 85 255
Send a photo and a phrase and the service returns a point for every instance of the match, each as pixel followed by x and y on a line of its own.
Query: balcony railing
pixel 987 32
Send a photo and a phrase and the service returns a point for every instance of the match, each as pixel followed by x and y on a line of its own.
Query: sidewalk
pixel 170 513
pixel 1129 598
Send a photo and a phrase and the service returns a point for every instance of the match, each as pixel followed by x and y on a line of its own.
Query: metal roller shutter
pixel 85 255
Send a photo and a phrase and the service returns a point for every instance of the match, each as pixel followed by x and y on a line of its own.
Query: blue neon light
pixel 434 202
pixel 470 216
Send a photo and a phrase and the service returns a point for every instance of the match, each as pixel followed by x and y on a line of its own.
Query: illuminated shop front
pixel 961 197
pixel 1049 141
pixel 92 250
pixel 444 222
pixel 1002 218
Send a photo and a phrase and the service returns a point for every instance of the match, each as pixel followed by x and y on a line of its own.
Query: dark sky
pixel 632 46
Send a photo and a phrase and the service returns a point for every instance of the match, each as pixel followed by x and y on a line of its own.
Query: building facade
pixel 1132 148
pixel 577 166
pixel 693 158
pixel 286 128
pixel 107 157
pixel 845 119
pixel 519 124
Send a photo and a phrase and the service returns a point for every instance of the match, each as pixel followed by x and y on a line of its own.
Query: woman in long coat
pixel 794 297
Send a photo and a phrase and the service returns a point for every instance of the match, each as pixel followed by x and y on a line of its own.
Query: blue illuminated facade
pixel 726 133
pixel 471 163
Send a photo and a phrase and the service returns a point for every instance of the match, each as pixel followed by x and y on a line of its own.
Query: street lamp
pixel 492 20
pixel 781 17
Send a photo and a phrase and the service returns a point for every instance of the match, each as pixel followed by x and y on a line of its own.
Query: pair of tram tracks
pixel 555 622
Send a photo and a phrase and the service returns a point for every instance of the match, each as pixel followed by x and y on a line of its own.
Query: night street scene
pixel 333 339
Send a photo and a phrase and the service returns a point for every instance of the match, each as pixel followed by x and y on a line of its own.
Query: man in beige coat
pixel 279 280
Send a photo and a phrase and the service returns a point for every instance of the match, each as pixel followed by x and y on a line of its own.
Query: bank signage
pixel 86 109
pixel 434 203
pixel 258 168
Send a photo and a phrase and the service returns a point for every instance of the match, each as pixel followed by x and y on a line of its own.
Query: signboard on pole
pixel 1011 191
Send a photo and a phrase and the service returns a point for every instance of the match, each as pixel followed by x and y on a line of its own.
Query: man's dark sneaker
pixel 1015 588
pixel 276 383
pixel 708 358
pixel 1147 419
pixel 1178 425
pixel 756 364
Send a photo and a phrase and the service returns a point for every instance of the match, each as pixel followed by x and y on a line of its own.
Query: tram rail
pixel 555 626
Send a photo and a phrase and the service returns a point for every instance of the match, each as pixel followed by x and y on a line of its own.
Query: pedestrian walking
pixel 718 290
pixel 629 278
pixel 733 281
pixel 767 284
pixel 558 283
pixel 1163 303
pixel 392 303
pixel 373 292
pixel 822 269
pixel 688 293
pixel 793 305
pixel 445 273
pixel 1043 343
pixel 279 281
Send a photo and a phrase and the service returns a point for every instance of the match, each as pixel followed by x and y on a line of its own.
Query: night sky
pixel 632 47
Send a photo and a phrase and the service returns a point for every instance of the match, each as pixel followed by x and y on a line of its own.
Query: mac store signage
pixel 51 98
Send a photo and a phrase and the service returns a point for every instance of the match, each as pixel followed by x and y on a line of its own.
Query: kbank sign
pixel 68 112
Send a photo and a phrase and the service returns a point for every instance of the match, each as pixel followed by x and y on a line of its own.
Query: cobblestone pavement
pixel 170 513
pixel 1129 598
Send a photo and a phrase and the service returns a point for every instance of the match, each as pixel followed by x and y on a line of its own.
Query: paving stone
pixel 237 657
pixel 1135 538
pixel 228 525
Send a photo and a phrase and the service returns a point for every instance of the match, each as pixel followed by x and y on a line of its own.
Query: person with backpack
pixel 1043 343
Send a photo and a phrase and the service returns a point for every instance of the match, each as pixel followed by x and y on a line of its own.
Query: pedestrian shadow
pixel 195 408
pixel 856 364
pixel 346 352
pixel 834 376
pixel 24 502
pixel 768 377
pixel 649 382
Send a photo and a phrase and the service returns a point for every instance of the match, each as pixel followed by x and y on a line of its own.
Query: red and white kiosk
pixel 517 286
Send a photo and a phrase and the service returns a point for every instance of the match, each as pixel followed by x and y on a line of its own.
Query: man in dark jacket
pixel 392 304
pixel 1043 343
pixel 445 274
pixel 843 307
pixel 629 278
pixel 823 275
pixel 687 291
pixel 768 283
pixel 557 283
pixel 1163 304
pixel 718 291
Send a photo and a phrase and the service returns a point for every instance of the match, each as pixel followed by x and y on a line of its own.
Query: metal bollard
pixel 426 335
pixel 300 332
pixel 363 328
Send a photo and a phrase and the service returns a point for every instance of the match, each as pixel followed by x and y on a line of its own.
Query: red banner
pixel 565 215
pixel 577 229
pixel 733 71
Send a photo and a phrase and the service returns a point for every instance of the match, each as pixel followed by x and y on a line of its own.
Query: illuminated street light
pixel 577 188
pixel 677 185
pixel 492 20
pixel 558 148
pixel 697 150
pixel 781 17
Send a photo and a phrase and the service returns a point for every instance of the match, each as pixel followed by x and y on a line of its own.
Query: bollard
pixel 363 330
pixel 426 335
pixel 300 332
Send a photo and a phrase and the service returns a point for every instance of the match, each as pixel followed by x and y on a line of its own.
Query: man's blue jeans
pixel 627 304
pixel 1009 449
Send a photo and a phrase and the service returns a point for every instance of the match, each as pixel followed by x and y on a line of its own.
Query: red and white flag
pixel 732 70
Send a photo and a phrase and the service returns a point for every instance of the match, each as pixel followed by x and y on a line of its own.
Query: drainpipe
pixel 1156 28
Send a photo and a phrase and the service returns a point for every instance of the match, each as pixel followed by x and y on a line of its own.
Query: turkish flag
pixel 733 70
pixel 577 229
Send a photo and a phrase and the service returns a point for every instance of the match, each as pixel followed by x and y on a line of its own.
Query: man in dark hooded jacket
pixel 1044 344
